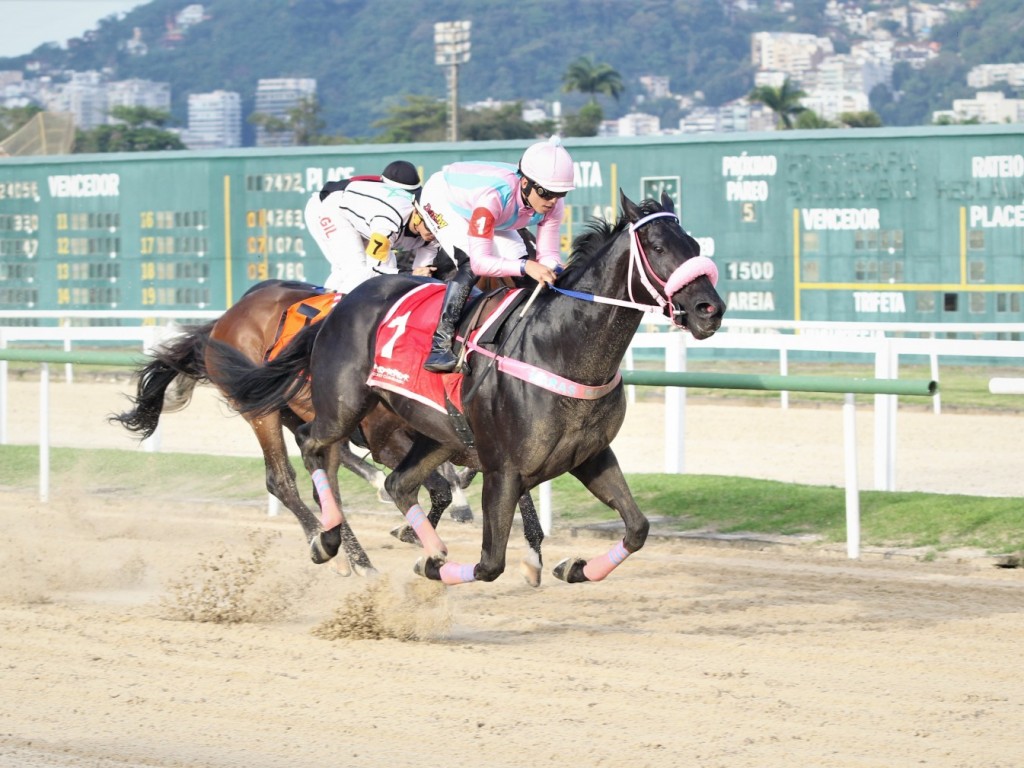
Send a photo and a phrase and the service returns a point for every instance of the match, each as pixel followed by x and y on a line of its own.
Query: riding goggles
pixel 547 194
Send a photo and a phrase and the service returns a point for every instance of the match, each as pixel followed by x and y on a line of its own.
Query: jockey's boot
pixel 441 358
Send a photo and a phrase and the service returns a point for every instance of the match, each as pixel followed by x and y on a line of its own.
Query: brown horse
pixel 251 326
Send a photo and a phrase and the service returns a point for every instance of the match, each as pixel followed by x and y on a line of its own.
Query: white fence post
pixel 850 464
pixel 675 406
pixel 44 433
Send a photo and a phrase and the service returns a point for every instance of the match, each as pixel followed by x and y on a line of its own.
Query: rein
pixel 684 274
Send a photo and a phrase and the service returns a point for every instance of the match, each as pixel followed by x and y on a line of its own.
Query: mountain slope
pixel 367 54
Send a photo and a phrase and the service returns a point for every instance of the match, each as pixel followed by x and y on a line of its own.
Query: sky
pixel 27 24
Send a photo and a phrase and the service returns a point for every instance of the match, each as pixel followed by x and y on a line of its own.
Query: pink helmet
pixel 548 165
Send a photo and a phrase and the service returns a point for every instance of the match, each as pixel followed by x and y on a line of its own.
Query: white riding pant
pixel 344 248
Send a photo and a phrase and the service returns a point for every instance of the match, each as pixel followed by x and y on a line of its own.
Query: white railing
pixel 886 351
pixel 885 343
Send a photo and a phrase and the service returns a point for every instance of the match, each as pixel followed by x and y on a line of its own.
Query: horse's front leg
pixel 501 491
pixel 603 478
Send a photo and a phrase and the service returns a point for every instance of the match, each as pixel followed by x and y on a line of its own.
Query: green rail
pixel 642 378
pixel 84 357
pixel 781 383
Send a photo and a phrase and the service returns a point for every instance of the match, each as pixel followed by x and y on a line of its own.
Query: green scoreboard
pixel 923 224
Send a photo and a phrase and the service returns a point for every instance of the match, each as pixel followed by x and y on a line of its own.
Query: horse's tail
pixel 259 390
pixel 178 362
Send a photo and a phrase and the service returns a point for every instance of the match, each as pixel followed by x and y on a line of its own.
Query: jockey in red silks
pixel 359 223
pixel 475 208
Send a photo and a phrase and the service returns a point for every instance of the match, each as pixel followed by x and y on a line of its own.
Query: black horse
pixel 166 382
pixel 524 434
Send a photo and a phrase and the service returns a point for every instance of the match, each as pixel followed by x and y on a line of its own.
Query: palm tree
pixel 783 101
pixel 589 78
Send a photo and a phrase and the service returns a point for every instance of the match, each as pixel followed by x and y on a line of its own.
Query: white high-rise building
pixel 84 96
pixel 139 93
pixel 214 120
pixel 794 53
pixel 275 97
pixel 985 107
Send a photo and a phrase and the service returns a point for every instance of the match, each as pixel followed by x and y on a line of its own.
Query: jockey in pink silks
pixel 475 210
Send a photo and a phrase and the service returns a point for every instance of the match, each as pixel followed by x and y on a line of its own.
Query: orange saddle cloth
pixel 300 314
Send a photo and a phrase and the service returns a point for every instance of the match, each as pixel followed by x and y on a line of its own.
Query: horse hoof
pixel 570 570
pixel 461 514
pixel 325 545
pixel 341 566
pixel 428 567
pixel 384 497
pixel 530 567
pixel 365 571
pixel 405 534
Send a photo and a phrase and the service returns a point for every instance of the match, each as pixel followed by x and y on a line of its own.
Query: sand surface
pixel 688 655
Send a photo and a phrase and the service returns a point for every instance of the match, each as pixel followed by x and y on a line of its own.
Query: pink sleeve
pixel 549 237
pixel 482 256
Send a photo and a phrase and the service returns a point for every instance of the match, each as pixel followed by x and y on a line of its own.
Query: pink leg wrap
pixel 330 515
pixel 599 567
pixel 455 573
pixel 431 542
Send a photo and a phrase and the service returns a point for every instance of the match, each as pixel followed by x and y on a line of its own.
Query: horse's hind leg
pixel 460 511
pixel 603 478
pixel 532 564
pixel 315 440
pixel 280 474
pixel 440 492
pixel 355 554
pixel 404 484
pixel 362 468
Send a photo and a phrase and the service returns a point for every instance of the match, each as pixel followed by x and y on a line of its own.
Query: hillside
pixel 365 59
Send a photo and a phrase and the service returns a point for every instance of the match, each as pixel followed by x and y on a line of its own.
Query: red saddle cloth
pixel 403 343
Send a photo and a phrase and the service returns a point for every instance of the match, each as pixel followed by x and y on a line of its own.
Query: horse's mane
pixel 599 233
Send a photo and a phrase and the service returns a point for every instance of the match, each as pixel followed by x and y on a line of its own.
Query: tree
pixel 590 79
pixel 583 123
pixel 420 118
pixel 303 121
pixel 139 129
pixel 13 118
pixel 784 101
pixel 505 122
pixel 809 120
pixel 866 119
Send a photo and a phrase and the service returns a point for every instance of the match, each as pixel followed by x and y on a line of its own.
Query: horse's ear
pixel 629 209
pixel 667 204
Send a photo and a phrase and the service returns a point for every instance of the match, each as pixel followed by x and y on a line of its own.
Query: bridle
pixel 661 291
pixel 683 275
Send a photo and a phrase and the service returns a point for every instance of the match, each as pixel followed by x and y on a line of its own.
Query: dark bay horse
pixel 250 326
pixel 574 335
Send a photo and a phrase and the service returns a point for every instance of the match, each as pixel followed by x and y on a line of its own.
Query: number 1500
pixel 751 270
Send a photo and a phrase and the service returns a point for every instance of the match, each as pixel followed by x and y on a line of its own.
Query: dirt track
pixel 689 655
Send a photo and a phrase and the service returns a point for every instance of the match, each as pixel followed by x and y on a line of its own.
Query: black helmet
pixel 402 174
